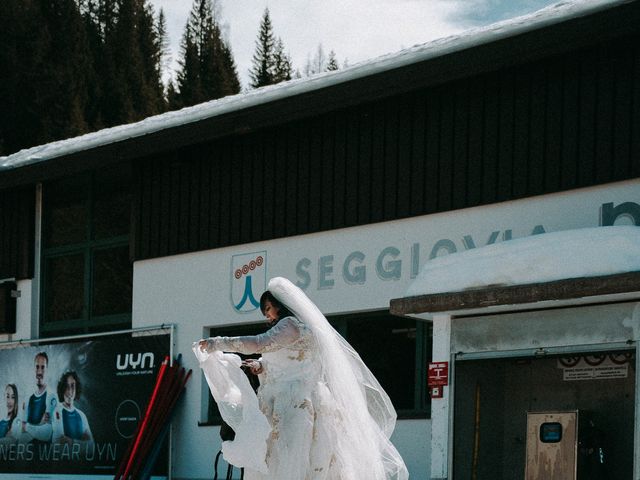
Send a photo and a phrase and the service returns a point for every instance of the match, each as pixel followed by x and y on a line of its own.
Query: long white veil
pixel 367 416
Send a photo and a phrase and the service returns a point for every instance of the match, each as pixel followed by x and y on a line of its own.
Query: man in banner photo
pixel 38 411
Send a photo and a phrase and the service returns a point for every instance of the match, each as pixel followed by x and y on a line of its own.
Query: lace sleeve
pixel 286 332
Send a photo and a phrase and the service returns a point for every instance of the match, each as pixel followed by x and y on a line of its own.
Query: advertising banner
pixel 69 410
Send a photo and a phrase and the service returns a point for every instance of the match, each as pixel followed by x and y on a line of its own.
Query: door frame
pixel 543 352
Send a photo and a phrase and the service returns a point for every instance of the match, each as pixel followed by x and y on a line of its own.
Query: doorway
pixel 492 398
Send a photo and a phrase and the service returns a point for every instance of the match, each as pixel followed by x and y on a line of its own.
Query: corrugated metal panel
pixel 565 122
pixel 17 223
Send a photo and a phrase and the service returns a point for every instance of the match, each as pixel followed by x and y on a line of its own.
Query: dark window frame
pixel 87 322
pixel 422 400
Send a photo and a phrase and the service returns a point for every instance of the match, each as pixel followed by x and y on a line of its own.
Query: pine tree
pixel 271 64
pixel 129 68
pixel 68 63
pixel 173 96
pixel 332 63
pixel 231 82
pixel 72 66
pixel 212 64
pixel 207 69
pixel 90 11
pixel 151 96
pixel 164 49
pixel 107 11
pixel 262 72
pixel 44 62
pixel 124 54
pixel 282 67
pixel 13 19
pixel 189 84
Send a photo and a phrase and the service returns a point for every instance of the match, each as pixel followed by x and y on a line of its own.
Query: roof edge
pixel 493 296
pixel 547 16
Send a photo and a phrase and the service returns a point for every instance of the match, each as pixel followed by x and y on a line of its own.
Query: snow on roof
pixel 547 16
pixel 586 252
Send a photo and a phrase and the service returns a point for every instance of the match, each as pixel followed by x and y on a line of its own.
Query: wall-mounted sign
pixel 248 280
pixel 438 374
pixel 595 367
pixel 437 378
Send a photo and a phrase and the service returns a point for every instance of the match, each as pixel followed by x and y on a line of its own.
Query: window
pixel 551 432
pixel 87 272
pixel 8 292
pixel 397 350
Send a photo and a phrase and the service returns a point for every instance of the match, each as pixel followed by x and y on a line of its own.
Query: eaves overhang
pixel 563 293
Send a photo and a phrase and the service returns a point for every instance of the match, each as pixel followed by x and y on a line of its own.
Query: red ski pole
pixel 141 429
pixel 171 378
pixel 162 417
pixel 155 452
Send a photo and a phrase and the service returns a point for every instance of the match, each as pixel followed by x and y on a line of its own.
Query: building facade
pixel 346 184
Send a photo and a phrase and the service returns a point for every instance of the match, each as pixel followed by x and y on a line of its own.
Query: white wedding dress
pixel 328 418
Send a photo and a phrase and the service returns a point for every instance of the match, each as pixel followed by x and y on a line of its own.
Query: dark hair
pixel 283 311
pixel 14 413
pixel 62 384
pixel 43 355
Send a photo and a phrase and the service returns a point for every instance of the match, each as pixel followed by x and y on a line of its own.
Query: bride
pixel 328 417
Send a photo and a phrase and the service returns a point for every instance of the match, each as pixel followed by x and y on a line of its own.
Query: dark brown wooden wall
pixel 17 224
pixel 559 123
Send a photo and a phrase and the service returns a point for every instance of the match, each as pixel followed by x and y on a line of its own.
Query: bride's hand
pixel 203 345
pixel 255 366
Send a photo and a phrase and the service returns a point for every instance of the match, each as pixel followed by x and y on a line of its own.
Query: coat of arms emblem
pixel 248 280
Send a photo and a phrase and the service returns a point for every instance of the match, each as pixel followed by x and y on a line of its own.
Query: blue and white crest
pixel 248 280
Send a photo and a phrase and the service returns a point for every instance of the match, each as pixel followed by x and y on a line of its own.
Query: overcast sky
pixel 356 30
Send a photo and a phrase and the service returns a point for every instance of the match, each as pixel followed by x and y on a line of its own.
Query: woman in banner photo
pixel 328 416
pixel 10 425
pixel 70 424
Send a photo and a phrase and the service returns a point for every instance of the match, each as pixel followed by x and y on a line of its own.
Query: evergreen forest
pixel 69 67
